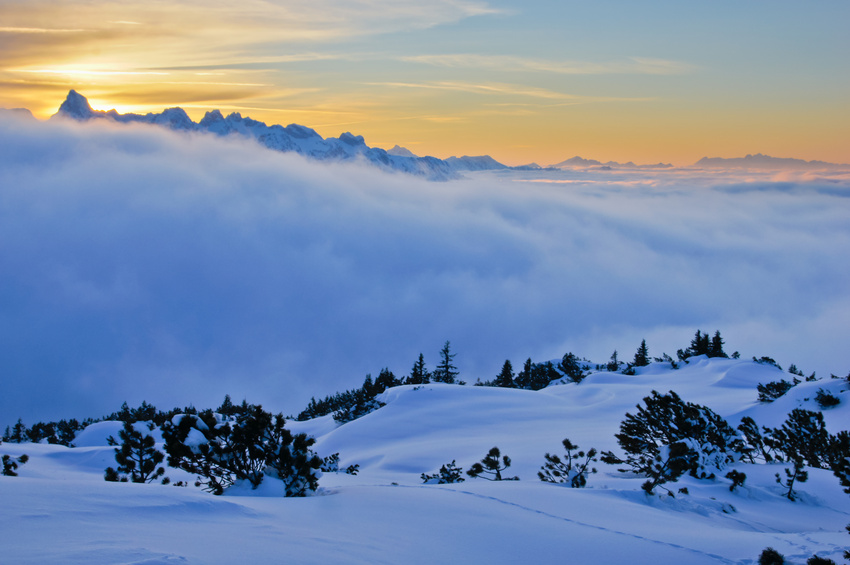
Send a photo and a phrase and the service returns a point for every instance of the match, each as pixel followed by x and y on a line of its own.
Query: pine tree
pixel 574 468
pixel 386 379
pixel 571 367
pixel 715 349
pixel 669 437
pixel 613 364
pixel 505 378
pixel 137 456
pixel 524 378
pixel 418 374
pixel 491 467
pixel 227 408
pixel 449 473
pixel 798 474
pixel 641 355
pixel 446 372
pixel 770 556
pixel 242 448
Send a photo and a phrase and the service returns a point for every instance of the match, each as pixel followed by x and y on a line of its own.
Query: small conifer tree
pixel 715 348
pixel 449 473
pixel 137 456
pixel 816 560
pixel 571 367
pixel 641 355
pixel 491 467
pixel 737 479
pixel 613 363
pixel 573 468
pixel 770 556
pixel 798 473
pixel 446 372
pixel 505 378
pixel 419 373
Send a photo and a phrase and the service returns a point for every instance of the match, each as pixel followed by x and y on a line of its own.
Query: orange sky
pixel 537 81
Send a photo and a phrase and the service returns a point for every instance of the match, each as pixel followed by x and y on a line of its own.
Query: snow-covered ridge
pixel 385 514
pixel 294 137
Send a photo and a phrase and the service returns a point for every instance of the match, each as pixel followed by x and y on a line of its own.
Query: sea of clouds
pixel 138 263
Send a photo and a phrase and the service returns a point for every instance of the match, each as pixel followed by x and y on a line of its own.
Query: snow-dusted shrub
pixel 360 405
pixel 449 473
pixel 737 479
pixel 330 464
pixel 826 399
pixel 770 556
pixel 10 464
pixel 753 446
pixel 572 367
pixel 491 467
pixel 802 436
pixel 245 447
pixel 668 437
pixel 137 456
pixel 573 468
pixel 773 390
pixel 839 458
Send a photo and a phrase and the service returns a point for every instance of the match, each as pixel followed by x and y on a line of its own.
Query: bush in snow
pixel 491 467
pixel 770 556
pixel 773 390
pixel 670 437
pixel 754 446
pixel 535 376
pixel 10 464
pixel 573 468
pixel 804 437
pixel 449 473
pixel 839 458
pixel 701 344
pixel 330 464
pixel 137 456
pixel 826 399
pixel 737 479
pixel 246 447
pixel 572 368
pixel 361 403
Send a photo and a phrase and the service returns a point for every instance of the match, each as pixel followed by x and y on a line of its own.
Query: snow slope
pixel 386 515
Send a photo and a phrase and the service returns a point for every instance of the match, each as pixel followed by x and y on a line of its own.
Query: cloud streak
pixel 139 264
pixel 510 63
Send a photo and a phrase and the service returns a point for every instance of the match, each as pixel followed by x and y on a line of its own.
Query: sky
pixel 535 81
pixel 139 263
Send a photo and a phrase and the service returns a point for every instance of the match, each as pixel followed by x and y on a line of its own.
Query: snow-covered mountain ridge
pixel 294 137
pixel 386 514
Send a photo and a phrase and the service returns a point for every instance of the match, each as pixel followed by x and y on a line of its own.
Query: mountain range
pixel 306 141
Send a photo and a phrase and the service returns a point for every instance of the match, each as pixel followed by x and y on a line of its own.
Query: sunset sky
pixel 541 80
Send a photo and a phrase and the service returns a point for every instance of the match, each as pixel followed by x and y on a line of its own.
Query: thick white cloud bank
pixel 138 263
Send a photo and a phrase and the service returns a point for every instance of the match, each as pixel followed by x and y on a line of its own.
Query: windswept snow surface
pixel 386 515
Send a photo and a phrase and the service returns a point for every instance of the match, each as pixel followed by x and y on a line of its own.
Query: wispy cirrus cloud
pixel 511 63
pixel 505 89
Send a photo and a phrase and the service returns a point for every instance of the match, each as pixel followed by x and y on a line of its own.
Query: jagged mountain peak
pixel 76 106
pixel 292 138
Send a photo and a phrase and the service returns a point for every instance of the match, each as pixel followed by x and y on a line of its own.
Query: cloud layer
pixel 137 263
